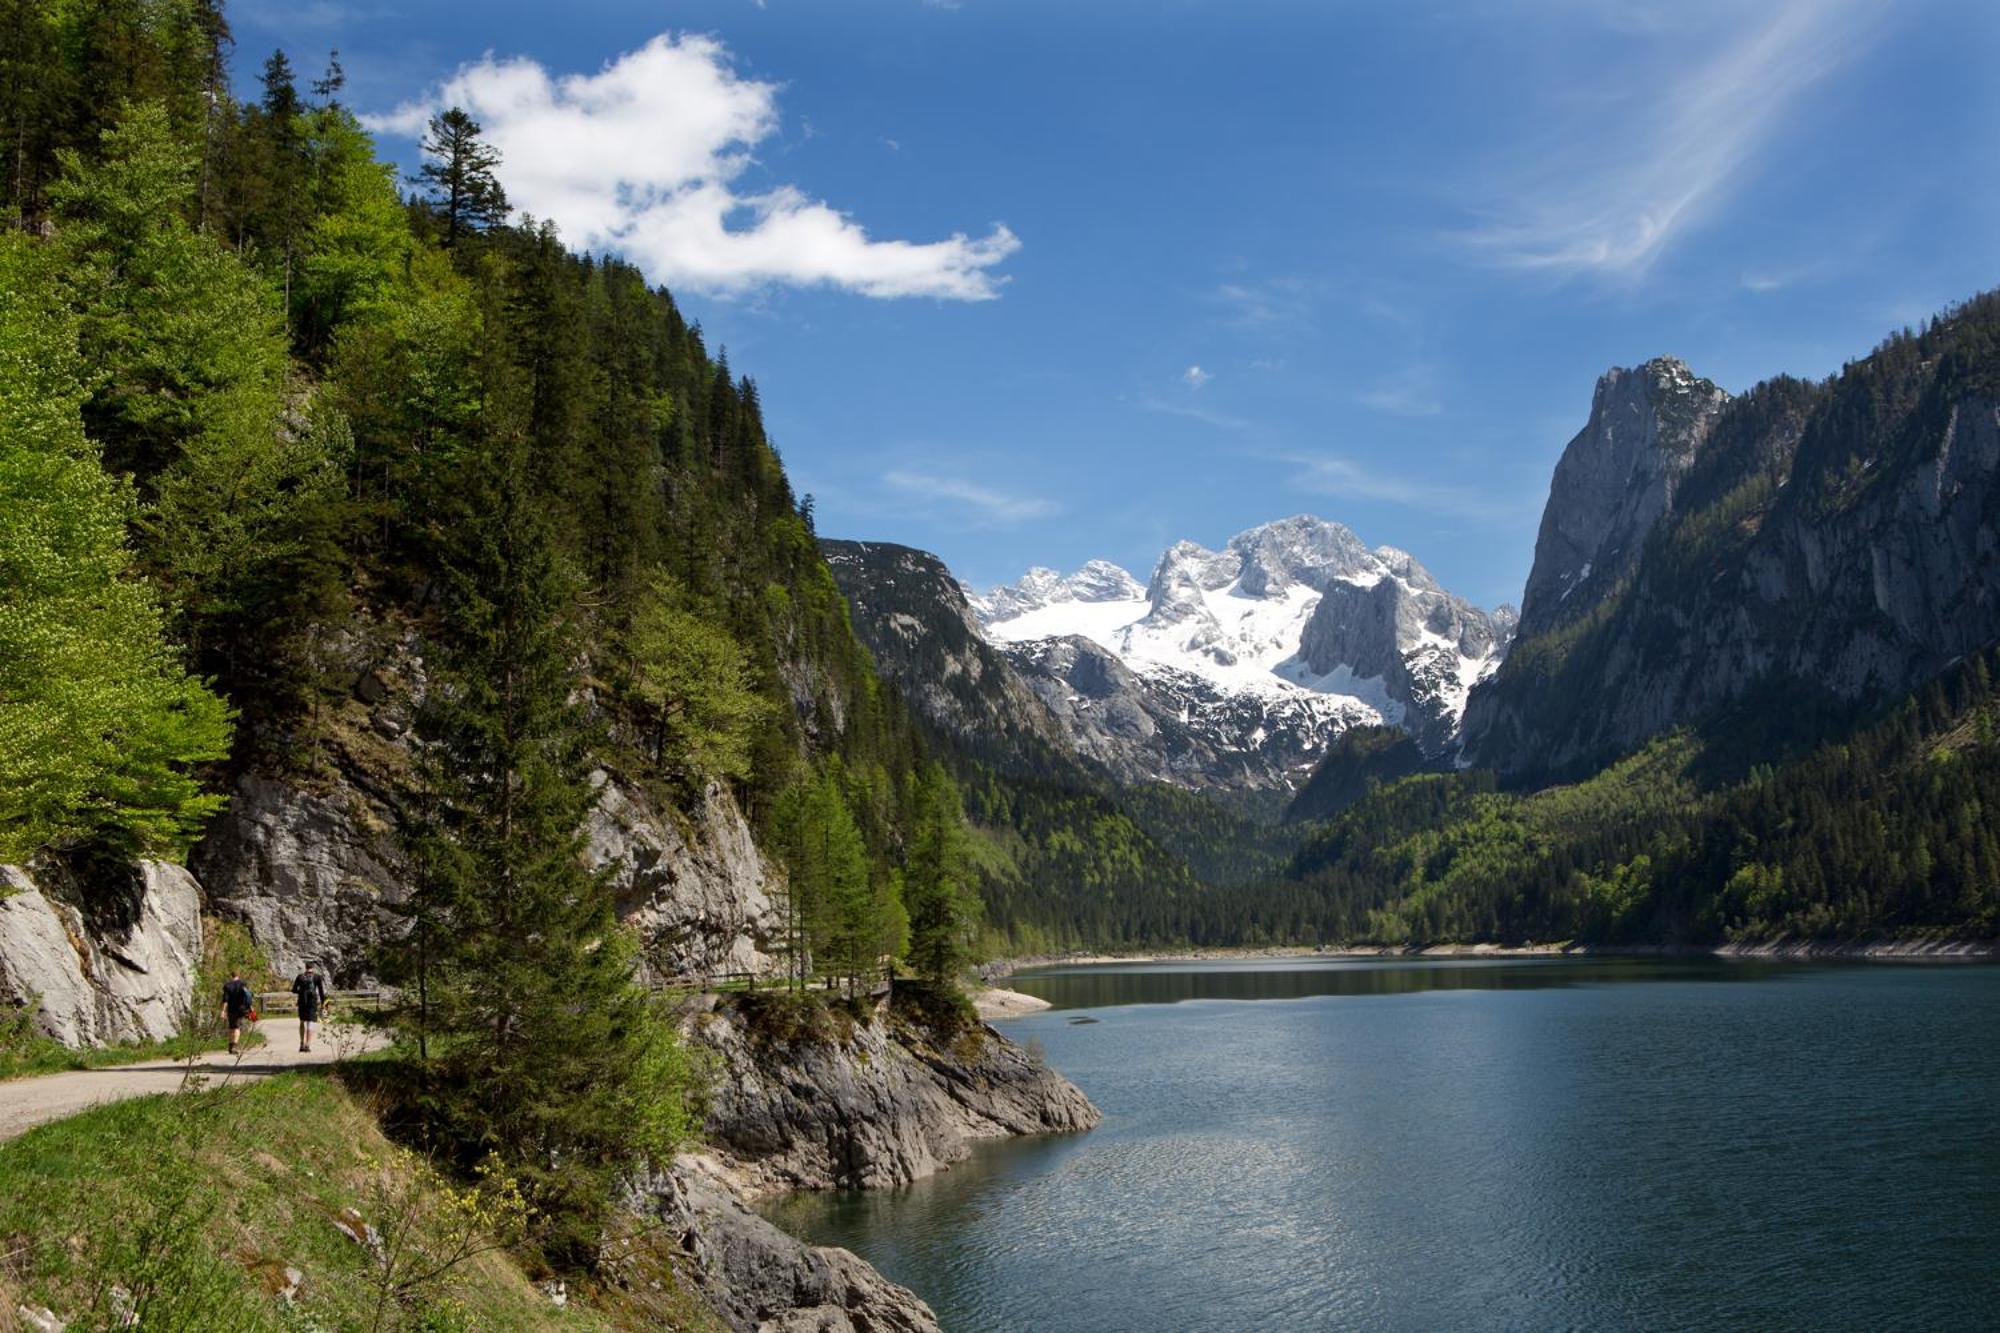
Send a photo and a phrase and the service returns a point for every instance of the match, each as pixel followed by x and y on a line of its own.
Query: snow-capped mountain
pixel 1252 658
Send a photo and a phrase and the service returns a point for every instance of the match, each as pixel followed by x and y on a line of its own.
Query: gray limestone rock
pixel 695 887
pixel 760 1280
pixel 881 1105
pixel 113 965
pixel 313 874
pixel 1615 480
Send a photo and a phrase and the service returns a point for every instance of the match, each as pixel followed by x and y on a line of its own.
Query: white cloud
pixel 986 503
pixel 1194 377
pixel 648 157
pixel 1614 204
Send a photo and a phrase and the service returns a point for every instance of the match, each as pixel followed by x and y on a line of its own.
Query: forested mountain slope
pixel 1824 546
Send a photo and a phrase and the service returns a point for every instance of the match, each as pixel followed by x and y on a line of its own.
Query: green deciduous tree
pixel 99 723
pixel 694 683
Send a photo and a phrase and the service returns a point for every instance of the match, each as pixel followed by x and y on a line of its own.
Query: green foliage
pixel 694 683
pixel 547 1053
pixel 846 911
pixel 183 341
pixel 99 724
pixel 460 175
pixel 938 891
pixel 1883 832
pixel 196 1204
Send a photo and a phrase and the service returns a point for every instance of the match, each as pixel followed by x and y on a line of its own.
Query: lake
pixel 1478 1144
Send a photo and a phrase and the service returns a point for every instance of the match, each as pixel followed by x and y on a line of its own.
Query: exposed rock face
pixel 1615 480
pixel 114 965
pixel 697 892
pixel 1832 545
pixel 759 1279
pixel 880 1106
pixel 1175 726
pixel 312 874
pixel 1427 647
pixel 913 617
pixel 315 875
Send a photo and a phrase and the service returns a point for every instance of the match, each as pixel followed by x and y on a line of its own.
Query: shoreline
pixel 1781 949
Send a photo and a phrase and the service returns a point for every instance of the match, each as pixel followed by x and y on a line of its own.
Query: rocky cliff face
pixel 912 615
pixel 757 1278
pixel 316 875
pixel 865 1105
pixel 1831 545
pixel 1614 482
pixel 116 964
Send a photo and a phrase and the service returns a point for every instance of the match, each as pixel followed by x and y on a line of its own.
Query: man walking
pixel 311 990
pixel 237 1005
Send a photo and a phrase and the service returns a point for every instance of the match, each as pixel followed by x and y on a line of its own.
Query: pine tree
pixel 460 175
pixel 937 880
pixel 545 1051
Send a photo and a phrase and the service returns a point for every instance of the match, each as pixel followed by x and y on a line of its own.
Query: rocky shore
pixel 813 1095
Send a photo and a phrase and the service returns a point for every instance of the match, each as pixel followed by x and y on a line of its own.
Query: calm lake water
pixel 1545 1144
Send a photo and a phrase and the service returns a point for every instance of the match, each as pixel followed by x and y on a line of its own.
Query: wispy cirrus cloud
pixel 985 503
pixel 1267 304
pixel 1336 475
pixel 1207 416
pixel 1656 166
pixel 651 156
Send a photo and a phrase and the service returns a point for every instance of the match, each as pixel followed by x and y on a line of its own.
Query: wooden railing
pixel 284 1002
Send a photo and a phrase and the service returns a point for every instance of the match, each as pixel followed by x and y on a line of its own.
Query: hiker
pixel 311 990
pixel 237 1005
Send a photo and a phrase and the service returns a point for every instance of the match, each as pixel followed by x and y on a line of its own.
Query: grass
pixel 190 1209
pixel 195 1211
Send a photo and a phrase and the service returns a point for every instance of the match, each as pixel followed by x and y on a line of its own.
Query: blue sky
pixel 1032 281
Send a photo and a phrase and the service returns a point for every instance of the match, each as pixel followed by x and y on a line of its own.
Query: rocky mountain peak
pixel 1615 480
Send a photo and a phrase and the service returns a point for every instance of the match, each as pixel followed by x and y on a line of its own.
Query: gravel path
pixel 27 1102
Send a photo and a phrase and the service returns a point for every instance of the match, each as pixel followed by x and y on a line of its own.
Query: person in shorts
pixel 310 987
pixel 237 1005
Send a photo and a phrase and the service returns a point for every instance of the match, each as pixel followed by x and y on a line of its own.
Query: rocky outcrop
pixel 694 886
pixel 760 1280
pixel 863 1105
pixel 314 874
pixel 1424 647
pixel 1616 480
pixel 113 963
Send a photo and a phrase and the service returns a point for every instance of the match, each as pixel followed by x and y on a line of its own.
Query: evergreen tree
pixel 937 888
pixel 545 1051
pixel 460 176
pixel 99 723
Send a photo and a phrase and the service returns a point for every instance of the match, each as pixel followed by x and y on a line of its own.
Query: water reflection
pixel 1100 986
